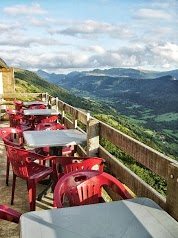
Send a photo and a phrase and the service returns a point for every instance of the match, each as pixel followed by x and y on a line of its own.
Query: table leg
pixel 53 151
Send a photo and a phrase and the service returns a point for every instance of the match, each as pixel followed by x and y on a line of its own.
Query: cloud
pixel 147 38
pixel 152 14
pixel 6 27
pixel 90 27
pixel 136 55
pixel 24 41
pixel 96 49
pixel 24 10
pixel 167 51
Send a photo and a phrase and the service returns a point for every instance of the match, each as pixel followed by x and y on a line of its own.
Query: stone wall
pixel 8 80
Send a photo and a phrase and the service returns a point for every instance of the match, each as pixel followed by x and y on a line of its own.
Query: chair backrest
pixel 12 136
pixel 9 214
pixel 85 187
pixel 15 120
pixel 50 119
pixel 49 126
pixel 18 105
pixel 15 117
pixel 20 160
pixel 35 106
pixel 70 163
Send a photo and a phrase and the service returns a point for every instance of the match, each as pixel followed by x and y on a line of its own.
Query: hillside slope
pixel 27 81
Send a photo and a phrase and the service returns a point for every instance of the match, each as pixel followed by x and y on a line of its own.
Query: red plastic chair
pixel 37 119
pixel 13 137
pixel 9 214
pixel 18 105
pixel 85 187
pixel 50 119
pixel 24 168
pixel 18 120
pixel 69 164
pixel 12 111
pixel 49 126
pixel 35 106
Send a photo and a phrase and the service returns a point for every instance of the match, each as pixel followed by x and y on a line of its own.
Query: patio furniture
pixel 67 150
pixel 55 140
pixel 38 114
pixel 39 106
pixel 71 163
pixel 9 214
pixel 18 105
pixel 24 168
pixel 84 187
pixel 34 102
pixel 49 126
pixel 131 218
pixel 13 137
pixel 50 119
pixel 67 164
pixel 18 120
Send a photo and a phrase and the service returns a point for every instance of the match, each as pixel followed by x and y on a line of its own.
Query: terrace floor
pixel 8 229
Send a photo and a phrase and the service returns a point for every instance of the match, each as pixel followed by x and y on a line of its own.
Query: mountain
pixel 158 94
pixel 3 64
pixel 28 81
pixel 147 98
pixel 112 72
pixel 163 141
pixel 173 73
pixel 51 78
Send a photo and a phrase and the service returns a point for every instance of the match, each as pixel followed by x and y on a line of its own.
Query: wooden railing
pixel 160 164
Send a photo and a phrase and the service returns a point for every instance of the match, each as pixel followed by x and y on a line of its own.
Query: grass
pixel 167 117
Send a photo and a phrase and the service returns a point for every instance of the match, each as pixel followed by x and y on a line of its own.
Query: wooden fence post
pixel 92 137
pixel 63 114
pixel 57 108
pixel 75 119
pixel 172 191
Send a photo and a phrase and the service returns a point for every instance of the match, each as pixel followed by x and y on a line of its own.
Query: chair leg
pixel 32 194
pixel 7 172
pixel 13 189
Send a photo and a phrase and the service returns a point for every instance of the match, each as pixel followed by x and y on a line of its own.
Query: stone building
pixel 7 82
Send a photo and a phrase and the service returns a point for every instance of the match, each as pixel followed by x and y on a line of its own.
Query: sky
pixel 61 36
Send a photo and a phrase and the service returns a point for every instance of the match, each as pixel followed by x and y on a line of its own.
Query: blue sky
pixel 67 35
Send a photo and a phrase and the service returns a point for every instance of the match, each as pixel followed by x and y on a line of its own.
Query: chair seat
pixel 40 171
pixel 24 127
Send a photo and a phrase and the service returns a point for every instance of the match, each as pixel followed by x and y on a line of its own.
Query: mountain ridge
pixel 114 72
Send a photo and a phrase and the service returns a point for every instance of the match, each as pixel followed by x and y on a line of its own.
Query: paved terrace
pixel 8 229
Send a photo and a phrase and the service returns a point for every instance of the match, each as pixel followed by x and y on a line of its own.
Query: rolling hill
pixel 146 98
pixel 27 81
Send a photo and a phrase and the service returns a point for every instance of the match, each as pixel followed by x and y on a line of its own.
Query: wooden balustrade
pixel 160 164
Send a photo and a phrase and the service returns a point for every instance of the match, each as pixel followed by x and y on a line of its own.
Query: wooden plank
pixel 172 191
pixel 150 158
pixel 77 114
pixel 16 95
pixel 80 151
pixel 83 117
pixel 68 123
pixel 130 179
